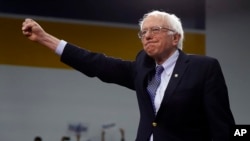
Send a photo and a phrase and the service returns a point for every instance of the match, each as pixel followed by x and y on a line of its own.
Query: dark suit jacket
pixel 195 106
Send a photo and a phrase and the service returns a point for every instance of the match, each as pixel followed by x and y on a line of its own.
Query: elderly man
pixel 181 97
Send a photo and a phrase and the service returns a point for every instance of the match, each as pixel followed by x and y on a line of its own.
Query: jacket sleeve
pixel 216 103
pixel 107 69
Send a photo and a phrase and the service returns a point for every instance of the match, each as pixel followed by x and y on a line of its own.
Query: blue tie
pixel 154 84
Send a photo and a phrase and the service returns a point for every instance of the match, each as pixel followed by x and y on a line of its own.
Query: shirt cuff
pixel 60 47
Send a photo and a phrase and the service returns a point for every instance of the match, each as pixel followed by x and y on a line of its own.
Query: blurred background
pixel 40 96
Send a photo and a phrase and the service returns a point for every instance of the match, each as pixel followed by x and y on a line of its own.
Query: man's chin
pixel 151 54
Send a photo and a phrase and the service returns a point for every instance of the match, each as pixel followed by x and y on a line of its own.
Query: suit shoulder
pixel 201 58
pixel 203 61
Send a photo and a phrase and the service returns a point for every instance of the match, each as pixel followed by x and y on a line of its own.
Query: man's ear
pixel 176 38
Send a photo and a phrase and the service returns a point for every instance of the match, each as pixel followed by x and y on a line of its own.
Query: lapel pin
pixel 176 75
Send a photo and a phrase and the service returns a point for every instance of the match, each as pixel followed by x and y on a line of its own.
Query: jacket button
pixel 154 124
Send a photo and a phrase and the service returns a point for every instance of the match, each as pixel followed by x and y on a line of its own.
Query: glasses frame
pixel 153 30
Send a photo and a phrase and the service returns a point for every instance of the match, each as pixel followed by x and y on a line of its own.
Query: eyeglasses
pixel 153 30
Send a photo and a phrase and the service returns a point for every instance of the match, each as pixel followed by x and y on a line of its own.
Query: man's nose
pixel 148 35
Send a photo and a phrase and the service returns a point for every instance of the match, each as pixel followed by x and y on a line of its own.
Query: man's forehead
pixel 153 21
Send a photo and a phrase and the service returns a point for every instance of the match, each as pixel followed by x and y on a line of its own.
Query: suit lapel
pixel 180 68
pixel 146 67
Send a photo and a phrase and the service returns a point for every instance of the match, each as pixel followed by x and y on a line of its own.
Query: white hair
pixel 173 21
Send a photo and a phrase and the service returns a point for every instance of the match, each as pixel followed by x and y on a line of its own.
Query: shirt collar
pixel 171 60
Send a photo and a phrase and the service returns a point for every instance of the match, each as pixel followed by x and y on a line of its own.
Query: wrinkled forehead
pixel 154 20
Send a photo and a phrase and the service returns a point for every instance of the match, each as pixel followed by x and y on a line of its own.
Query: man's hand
pixel 35 32
pixel 32 30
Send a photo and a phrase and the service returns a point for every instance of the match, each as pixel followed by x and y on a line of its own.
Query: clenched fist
pixel 35 32
pixel 32 30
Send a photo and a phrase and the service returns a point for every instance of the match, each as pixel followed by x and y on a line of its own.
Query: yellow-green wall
pixel 119 42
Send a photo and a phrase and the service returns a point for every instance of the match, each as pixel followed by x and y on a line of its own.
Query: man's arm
pixel 217 105
pixel 108 69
